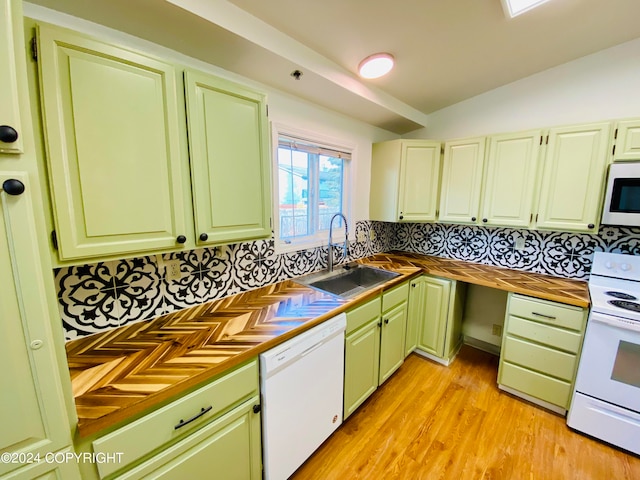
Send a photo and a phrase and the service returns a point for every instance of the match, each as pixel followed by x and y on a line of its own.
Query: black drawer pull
pixel 182 423
pixel 550 317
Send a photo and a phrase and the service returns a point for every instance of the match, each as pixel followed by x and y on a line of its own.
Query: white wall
pixel 601 86
pixel 284 109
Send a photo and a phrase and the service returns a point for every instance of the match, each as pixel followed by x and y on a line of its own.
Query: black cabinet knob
pixel 204 237
pixel 590 226
pixel 484 220
pixel 380 323
pixel 8 134
pixel 473 219
pixel 13 186
pixel 181 239
pixel 401 217
pixel 386 321
pixel 257 408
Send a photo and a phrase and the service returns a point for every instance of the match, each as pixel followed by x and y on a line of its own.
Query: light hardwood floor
pixel 434 422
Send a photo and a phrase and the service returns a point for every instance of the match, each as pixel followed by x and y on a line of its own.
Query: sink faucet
pixel 331 245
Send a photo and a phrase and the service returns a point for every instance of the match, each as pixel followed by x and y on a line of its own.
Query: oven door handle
pixel 621 323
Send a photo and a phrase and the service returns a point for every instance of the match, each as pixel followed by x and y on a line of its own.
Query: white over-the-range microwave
pixel 622 197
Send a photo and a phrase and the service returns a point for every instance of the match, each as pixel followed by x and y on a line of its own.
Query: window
pixel 311 188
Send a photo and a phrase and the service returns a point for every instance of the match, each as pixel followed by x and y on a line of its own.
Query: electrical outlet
pixel 361 237
pixel 496 330
pixel 372 235
pixel 172 270
pixel 519 243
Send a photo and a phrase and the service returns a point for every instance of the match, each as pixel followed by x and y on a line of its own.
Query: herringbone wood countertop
pixel 119 374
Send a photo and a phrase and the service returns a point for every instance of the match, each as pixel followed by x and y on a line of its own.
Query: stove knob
pixel 625 267
pixel 610 265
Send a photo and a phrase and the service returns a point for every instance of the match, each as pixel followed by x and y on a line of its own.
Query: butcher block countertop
pixel 121 373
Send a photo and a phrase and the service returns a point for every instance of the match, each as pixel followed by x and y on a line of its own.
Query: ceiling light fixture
pixel 513 8
pixel 375 66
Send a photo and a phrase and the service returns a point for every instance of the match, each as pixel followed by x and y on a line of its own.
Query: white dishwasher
pixel 302 382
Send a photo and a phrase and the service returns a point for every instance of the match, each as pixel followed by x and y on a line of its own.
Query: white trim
pixel 317 240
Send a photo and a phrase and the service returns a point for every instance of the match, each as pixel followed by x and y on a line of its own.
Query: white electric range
pixel 606 402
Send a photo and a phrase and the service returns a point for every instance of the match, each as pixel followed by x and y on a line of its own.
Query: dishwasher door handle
pixel 312 348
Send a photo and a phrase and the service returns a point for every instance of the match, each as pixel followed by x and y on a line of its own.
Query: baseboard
pixel 481 345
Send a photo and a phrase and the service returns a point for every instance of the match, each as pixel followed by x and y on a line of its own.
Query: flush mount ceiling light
pixel 513 8
pixel 375 66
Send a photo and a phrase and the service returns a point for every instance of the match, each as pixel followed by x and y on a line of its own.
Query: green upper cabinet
pixel 10 126
pixel 510 179
pixel 405 178
pixel 114 130
pixel 573 178
pixel 229 149
pixel 627 141
pixel 462 180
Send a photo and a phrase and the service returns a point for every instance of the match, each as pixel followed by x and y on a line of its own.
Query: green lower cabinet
pixel 362 351
pixel 415 307
pixel 374 345
pixel 540 350
pixel 392 341
pixel 440 317
pixel 228 448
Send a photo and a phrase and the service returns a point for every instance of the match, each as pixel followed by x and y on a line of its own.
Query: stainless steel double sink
pixel 347 281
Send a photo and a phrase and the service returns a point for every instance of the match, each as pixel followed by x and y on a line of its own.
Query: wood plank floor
pixel 434 422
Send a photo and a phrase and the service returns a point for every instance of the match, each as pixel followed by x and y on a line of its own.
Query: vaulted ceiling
pixel 446 50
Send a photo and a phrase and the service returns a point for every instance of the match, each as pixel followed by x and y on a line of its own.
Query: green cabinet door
pixel 573 178
pixel 405 177
pixel 419 181
pixel 116 147
pixel 228 448
pixel 462 180
pixel 627 141
pixel 510 180
pixel 394 324
pixel 435 314
pixel 361 365
pixel 33 414
pixel 415 312
pixel 9 92
pixel 229 148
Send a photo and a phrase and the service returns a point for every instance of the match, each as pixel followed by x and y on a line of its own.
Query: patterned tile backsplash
pixel 106 295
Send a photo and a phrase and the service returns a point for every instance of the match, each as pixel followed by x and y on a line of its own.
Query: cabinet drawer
pixel 363 314
pixel 395 297
pixel 546 334
pixel 542 359
pixel 547 312
pixel 158 428
pixel 535 384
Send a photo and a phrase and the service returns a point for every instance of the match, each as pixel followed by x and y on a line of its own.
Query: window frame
pixel 320 238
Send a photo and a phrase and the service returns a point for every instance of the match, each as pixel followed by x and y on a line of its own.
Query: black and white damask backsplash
pixel 106 295
pixel 566 255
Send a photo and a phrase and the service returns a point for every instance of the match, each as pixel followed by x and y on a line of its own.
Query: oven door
pixel 610 362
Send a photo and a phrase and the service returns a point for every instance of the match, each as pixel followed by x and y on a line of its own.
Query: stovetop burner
pixel 633 306
pixel 620 295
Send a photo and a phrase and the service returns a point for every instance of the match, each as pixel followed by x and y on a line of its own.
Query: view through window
pixel 311 180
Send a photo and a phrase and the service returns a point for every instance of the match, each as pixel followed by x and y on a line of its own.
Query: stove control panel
pixel 616 265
